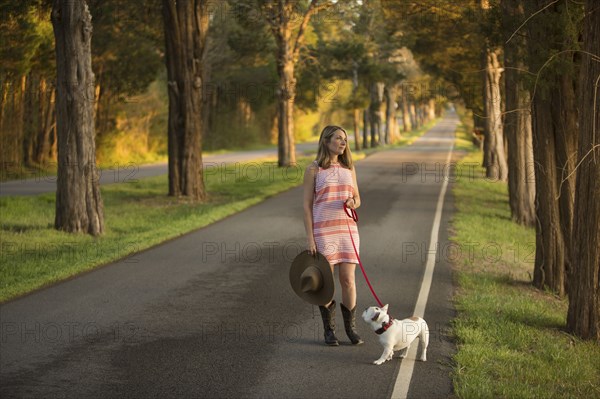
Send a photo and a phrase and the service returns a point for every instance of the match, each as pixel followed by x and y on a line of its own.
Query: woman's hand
pixel 312 246
pixel 351 203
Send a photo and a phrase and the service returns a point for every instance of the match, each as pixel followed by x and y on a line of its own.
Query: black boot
pixel 350 324
pixel 328 315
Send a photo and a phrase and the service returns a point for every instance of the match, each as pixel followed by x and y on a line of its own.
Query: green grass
pixel 138 215
pixel 511 337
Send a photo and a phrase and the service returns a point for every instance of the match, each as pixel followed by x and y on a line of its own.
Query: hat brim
pixel 304 260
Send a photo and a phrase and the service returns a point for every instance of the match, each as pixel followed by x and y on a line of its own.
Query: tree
pixel 445 40
pixel 517 118
pixel 281 16
pixel 186 26
pixel 79 206
pixel 553 35
pixel 126 53
pixel 494 159
pixel 27 71
pixel 583 317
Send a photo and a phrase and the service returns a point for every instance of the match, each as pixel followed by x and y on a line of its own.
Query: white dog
pixel 396 334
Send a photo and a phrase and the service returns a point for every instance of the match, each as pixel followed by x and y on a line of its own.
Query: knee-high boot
pixel 350 324
pixel 328 315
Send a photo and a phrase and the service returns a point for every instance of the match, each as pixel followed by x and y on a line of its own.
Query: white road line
pixel 406 367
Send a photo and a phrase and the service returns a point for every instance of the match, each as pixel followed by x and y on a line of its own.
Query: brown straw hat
pixel 312 279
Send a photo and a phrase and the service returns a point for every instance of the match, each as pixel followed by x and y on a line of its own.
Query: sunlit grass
pixel 138 215
pixel 510 336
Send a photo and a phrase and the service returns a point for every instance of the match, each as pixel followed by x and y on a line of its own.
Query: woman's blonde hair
pixel 323 158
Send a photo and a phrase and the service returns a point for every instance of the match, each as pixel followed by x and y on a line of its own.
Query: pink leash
pixel 352 214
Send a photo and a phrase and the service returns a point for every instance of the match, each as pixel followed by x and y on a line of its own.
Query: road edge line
pixel 402 383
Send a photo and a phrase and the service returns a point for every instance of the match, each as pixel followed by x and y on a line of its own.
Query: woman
pixel 329 182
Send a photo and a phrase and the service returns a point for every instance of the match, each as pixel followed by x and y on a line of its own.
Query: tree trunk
pixel 11 145
pixel 375 116
pixel 554 133
pixel 366 124
pixel 103 102
pixel 186 27
pixel 5 87
pixel 494 158
pixel 406 113
pixel 432 109
pixel 356 114
pixel 47 119
pixel 281 16
pixel 406 122
pixel 390 114
pixel 286 95
pixel 413 115
pixel 583 318
pixel 79 207
pixel 517 122
pixel 30 121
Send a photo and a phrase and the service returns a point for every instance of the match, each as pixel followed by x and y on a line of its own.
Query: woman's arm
pixel 354 201
pixel 309 190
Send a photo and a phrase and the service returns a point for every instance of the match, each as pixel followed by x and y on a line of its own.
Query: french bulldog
pixel 396 334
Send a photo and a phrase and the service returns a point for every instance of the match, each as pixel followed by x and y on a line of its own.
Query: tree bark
pixel 494 155
pixel 583 317
pixel 431 109
pixel 554 119
pixel 286 94
pixel 79 206
pixel 517 122
pixel 405 112
pixel 366 124
pixel 356 122
pixel 30 119
pixel 390 114
pixel 413 115
pixel 47 118
pixel 375 117
pixel 186 28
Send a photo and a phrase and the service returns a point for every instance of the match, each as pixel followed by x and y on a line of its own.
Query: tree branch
pixel 313 8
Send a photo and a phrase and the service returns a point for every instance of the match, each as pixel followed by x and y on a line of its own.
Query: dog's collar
pixel 384 327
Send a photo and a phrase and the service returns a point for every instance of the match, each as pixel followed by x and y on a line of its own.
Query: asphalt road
pixel 40 183
pixel 212 315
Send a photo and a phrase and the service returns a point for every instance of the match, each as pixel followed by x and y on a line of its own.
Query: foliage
pixel 126 44
pixel 445 38
pixel 26 38
pixel 555 56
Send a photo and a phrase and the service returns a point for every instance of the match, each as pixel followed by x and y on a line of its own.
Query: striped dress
pixel 333 186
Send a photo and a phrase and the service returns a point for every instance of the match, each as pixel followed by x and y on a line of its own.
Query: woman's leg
pixel 333 273
pixel 348 305
pixel 347 281
pixel 328 315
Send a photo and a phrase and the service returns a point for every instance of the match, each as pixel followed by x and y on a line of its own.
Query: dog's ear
pixel 385 307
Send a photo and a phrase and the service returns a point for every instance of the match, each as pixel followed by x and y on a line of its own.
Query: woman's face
pixel 337 143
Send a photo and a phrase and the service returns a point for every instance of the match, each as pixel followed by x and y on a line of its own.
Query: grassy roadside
pixel 138 215
pixel 510 336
